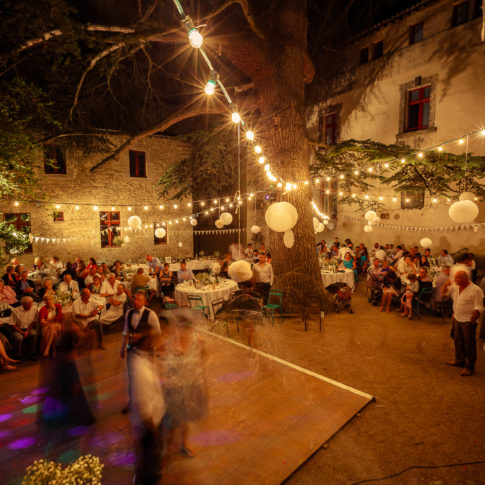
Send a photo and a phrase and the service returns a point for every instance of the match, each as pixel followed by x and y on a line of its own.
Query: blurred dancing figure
pixel 140 336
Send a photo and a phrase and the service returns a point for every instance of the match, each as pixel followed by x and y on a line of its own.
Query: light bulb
pixel 222 207
pixel 340 193
pixel 145 207
pixel 16 204
pixel 440 148
pixel 370 169
pixel 381 198
pixel 58 206
pixel 195 38
pixel 202 203
pixel 366 196
pixel 407 200
pixel 258 149
pixel 161 207
pixel 235 117
pixel 76 208
pixel 403 160
pixel 386 165
pixel 129 208
pixel 175 206
pixel 95 208
pixel 189 204
pixel 306 182
pixel 461 141
pixel 328 179
pixel 267 167
pixel 279 185
pixel 342 176
pixel 327 191
pixel 227 199
pixel 294 186
pixel 420 155
pixel 230 205
pixel 215 201
pixel 212 209
pixel 206 213
pixel 482 133
pixel 249 135
pixel 317 181
pixel 354 196
pixel 434 201
pixel 356 172
pixel 394 199
pixel 210 88
pixel 261 160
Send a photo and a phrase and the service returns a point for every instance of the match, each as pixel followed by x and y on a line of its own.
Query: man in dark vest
pixel 147 407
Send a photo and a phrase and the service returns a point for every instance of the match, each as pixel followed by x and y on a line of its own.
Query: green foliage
pixel 207 171
pixel 11 241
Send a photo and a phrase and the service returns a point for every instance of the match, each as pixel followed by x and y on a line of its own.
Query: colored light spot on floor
pixel 216 438
pixel 5 433
pixel 78 430
pixel 30 399
pixel 68 456
pixel 235 376
pixel 122 459
pixel 21 444
pixel 5 417
pixel 39 390
pixel 31 409
pixel 107 439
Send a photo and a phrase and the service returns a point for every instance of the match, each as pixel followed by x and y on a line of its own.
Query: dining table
pixel 340 276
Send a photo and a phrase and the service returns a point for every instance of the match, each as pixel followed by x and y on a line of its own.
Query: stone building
pixel 414 79
pixel 86 213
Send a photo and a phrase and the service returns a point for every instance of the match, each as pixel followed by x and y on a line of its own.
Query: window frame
pixel 412 33
pixel 19 224
pixel 378 49
pixel 456 11
pixel 333 118
pixel 58 168
pixel 420 102
pixel 58 216
pixel 110 222
pixel 135 164
pixel 416 199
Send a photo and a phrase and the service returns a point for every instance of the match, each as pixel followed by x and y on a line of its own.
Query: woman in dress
pixel 349 263
pixel 115 311
pixel 391 287
pixel 364 260
pixel 7 295
pixel 50 317
pixel 47 289
pixel 424 263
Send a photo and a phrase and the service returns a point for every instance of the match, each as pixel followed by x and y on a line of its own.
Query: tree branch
pixel 173 119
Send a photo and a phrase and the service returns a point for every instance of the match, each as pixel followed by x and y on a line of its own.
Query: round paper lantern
pixel 463 211
pixel 467 196
pixel 193 222
pixel 219 224
pixel 426 242
pixel 326 222
pixel 225 218
pixel 367 228
pixel 180 244
pixel 320 227
pixel 289 239
pixel 281 216
pixel 370 216
pixel 240 271
pixel 134 222
pixel 160 232
pixel 126 239
pixel 331 225
pixel 255 229
pixel 380 253
pixel 315 223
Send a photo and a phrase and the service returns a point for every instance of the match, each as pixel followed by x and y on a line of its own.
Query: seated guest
pixel 255 256
pixel 406 265
pixel 7 295
pixel 117 269
pixel 90 277
pixel 263 276
pixel 445 259
pixel 392 286
pixel 69 270
pixel 333 251
pixel 10 278
pixel 50 317
pixel 374 274
pixel 110 285
pixel 423 275
pixel 224 272
pixel 38 264
pixel 424 263
pixel 117 303
pixel 80 269
pixel 385 267
pixel 25 287
pixel 166 281
pixel 248 253
pixel 184 274
pixel 69 286
pixel 139 281
pixel 427 253
pixel 91 264
pixel 104 269
pixel 55 265
pixel 349 263
pixel 95 286
pixel 24 327
pixel 85 315
pixel 154 264
pixel 363 260
pixel 46 289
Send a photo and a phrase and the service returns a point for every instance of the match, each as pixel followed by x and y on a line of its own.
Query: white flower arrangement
pixel 86 470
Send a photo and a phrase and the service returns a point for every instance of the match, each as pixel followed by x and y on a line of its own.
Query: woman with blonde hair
pixel 50 317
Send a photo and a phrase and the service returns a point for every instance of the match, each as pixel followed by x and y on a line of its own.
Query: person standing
pixel 154 265
pixel 263 276
pixel 467 306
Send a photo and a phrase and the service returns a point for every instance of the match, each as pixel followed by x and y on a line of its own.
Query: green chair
pixel 168 303
pixel 275 298
pixel 423 298
pixel 141 289
pixel 198 304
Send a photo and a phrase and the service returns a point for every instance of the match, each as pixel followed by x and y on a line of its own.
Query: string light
pixel 76 208
pixel 95 208
pixel 16 204
pixel 249 135
pixel 461 141
pixel 440 148
pixel 58 206
pixel 403 160
pixel 236 118
pixel 434 201
pixel 261 160
pixel 420 155
pixel 356 172
pixel 370 169
pixel 195 38
pixel 394 199
pixel 279 185
pixel 258 149
pixel 386 165
pixel 210 87
pixel 189 204
pixel 129 209
pixel 328 179
pixel 112 208
pixel 175 206
pixel 215 201
pixel 145 207
pixel 161 207
pixel 202 203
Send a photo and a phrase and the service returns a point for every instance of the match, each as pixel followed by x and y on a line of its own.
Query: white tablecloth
pixel 225 288
pixel 346 277
pixel 195 264
pixel 39 276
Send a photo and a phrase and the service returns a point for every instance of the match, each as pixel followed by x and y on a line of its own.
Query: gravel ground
pixel 424 414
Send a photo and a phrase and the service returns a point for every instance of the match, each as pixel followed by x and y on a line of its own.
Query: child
pixel 407 299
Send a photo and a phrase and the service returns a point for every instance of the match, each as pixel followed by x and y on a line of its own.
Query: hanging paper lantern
pixel 463 211
pixel 180 244
pixel 331 225
pixel 255 229
pixel 219 224
pixel 320 227
pixel 467 196
pixel 380 253
pixel 289 239
pixel 367 228
pixel 370 216
pixel 193 222
pixel 160 232
pixel 281 216
pixel 426 242
pixel 240 271
pixel 126 239
pixel 225 218
pixel 134 222
pixel 315 224
pixel 326 222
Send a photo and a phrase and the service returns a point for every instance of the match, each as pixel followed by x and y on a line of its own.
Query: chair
pixel 199 304
pixel 168 303
pixel 219 302
pixel 140 289
pixel 278 295
pixel 424 296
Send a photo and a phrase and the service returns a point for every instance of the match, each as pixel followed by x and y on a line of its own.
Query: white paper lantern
pixel 255 229
pixel 180 244
pixel 370 216
pixel 315 224
pixel 467 196
pixel 331 225
pixel 289 239
pixel 225 218
pixel 426 242
pixel 326 222
pixel 463 211
pixel 320 227
pixel 219 224
pixel 126 239
pixel 240 271
pixel 281 216
pixel 193 222
pixel 134 222
pixel 380 253
pixel 367 228
pixel 160 232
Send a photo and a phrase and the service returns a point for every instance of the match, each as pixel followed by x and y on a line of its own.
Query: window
pixel 460 14
pixel 21 222
pixel 412 200
pixel 110 229
pixel 330 129
pixel 58 216
pixel 159 240
pixel 54 160
pixel 415 33
pixel 329 198
pixel 418 108
pixel 137 164
pixel 377 50
pixel 364 55
pixel 477 9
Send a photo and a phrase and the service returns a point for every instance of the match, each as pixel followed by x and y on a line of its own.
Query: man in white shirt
pixel 24 322
pixel 263 276
pixel 90 277
pixel 110 286
pixel 85 314
pixel 343 251
pixel 69 286
pixel 467 306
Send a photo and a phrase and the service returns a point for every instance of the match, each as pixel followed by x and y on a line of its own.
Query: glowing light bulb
pixel 235 117
pixel 317 181
pixel 386 165
pixel 340 193
pixel 76 208
pixel 215 201
pixel 206 213
pixel 184 219
pixel 251 195
pixel 403 160
pixel 16 204
pixel 327 191
pixel 58 206
pixel 222 207
pixel 440 148
pixel 461 141
pixel 482 133
pixel 420 155
pixel 258 149
pixel 294 186
pixel 129 209
pixel 239 202
pixel 381 198
pixel 356 172
pixel 279 185
pixel 145 207
pixel 210 88
pixel 342 176
pixel 112 208
pixel 212 209
pixel 267 167
pixel 394 199
pixel 407 200
pixel 161 207
pixel 249 135
pixel 195 38
pixel 230 205
pixel 366 196
pixel 261 160
pixel 202 203
pixel 176 221
pixel 354 196
pixel 370 169
pixel 306 182
pixel 328 179
pixel 227 199
pixel 95 208
pixel 434 201
pixel 189 204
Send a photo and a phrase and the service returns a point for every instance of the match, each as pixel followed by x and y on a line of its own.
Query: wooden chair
pixel 198 304
pixel 273 305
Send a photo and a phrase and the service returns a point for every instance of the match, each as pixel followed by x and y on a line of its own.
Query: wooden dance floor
pixel 266 417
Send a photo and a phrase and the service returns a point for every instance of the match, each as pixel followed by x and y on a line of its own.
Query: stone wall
pixel 109 186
